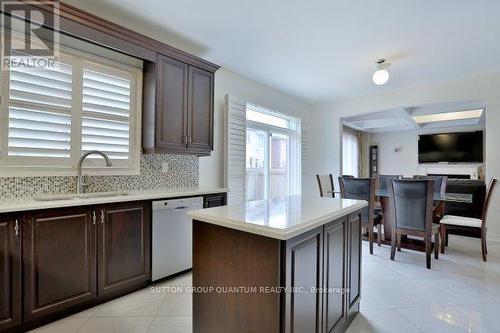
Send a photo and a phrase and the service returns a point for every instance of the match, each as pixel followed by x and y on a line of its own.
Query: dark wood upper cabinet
pixel 178 108
pixel 10 272
pixel 200 110
pixel 58 260
pixel 172 99
pixel 124 260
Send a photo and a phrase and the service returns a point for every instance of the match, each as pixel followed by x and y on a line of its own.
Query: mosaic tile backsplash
pixel 183 171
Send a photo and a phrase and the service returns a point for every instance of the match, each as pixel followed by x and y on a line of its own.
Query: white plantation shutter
pixel 49 117
pixel 106 108
pixel 306 176
pixel 235 139
pixel 39 112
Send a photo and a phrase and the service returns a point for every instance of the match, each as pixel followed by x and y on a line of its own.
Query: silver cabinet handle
pixel 190 140
pixel 102 216
pixel 93 217
pixel 16 228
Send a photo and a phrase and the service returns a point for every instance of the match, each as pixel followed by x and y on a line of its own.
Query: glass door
pixel 267 164
pixel 278 171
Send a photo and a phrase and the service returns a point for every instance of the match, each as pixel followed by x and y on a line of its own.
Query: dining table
pixel 440 199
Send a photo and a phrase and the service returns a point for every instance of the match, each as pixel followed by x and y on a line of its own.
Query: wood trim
pixel 104 26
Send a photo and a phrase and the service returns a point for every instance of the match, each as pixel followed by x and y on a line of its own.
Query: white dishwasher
pixel 173 236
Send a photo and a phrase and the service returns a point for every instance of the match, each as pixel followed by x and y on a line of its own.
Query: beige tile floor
pixel 460 294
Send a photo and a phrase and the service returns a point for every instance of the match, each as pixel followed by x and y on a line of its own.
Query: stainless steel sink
pixel 72 196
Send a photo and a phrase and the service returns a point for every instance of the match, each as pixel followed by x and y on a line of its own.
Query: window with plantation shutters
pixel 51 116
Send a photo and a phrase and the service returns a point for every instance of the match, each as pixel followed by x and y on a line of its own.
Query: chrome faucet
pixel 79 181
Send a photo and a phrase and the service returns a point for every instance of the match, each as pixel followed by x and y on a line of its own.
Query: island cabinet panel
pixel 304 269
pixel 10 271
pixel 171 115
pixel 354 263
pixel 58 260
pixel 123 247
pixel 335 256
pixel 313 270
pixel 225 258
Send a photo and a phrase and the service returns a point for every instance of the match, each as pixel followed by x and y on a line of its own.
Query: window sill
pixel 61 172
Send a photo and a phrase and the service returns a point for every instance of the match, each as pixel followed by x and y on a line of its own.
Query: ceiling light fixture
pixel 381 75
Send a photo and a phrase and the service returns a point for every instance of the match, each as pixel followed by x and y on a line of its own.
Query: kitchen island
pixel 290 264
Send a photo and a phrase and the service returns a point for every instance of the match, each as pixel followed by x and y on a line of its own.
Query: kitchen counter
pixel 281 218
pixel 291 264
pixel 25 204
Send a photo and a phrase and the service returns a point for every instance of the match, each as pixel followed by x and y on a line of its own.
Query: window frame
pixel 35 166
pixel 293 132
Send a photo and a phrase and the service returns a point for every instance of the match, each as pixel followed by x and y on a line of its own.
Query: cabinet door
pixel 354 259
pixel 10 272
pixel 304 269
pixel 123 247
pixel 201 111
pixel 59 260
pixel 171 111
pixel 335 255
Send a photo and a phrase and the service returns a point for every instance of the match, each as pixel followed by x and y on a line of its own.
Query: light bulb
pixel 380 77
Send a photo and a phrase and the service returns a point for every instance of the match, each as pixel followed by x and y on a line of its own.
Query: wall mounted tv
pixel 464 147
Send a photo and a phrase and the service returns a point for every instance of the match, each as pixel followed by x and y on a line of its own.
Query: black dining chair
pixel 326 187
pixel 363 189
pixel 412 208
pixel 440 183
pixel 383 181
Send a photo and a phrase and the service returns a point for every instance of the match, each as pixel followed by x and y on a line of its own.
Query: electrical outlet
pixel 164 167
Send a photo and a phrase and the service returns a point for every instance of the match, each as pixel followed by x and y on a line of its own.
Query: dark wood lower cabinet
pixel 354 264
pixel 334 275
pixel 304 269
pixel 214 200
pixel 58 260
pixel 10 272
pixel 124 259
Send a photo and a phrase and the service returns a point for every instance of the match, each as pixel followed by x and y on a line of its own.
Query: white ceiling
pixel 402 119
pixel 319 50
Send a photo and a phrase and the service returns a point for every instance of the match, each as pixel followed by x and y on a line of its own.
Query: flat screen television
pixel 464 147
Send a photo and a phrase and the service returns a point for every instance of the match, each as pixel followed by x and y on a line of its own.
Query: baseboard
pixel 493 238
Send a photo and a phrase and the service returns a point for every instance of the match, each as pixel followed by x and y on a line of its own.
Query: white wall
pixel 404 162
pixel 227 82
pixel 325 157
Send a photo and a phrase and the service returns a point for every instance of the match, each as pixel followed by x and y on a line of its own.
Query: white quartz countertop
pixel 281 218
pixel 25 204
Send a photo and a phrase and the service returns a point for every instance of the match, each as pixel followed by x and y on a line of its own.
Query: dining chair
pixel 411 204
pixel 449 222
pixel 440 182
pixel 363 189
pixel 326 187
pixel 383 181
